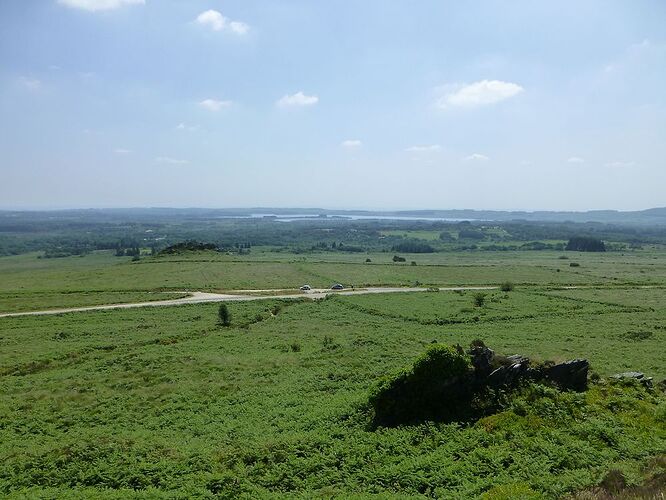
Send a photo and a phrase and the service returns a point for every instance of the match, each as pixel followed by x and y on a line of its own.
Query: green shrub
pixel 507 286
pixel 514 491
pixel 660 413
pixel 439 362
pixel 434 388
pixel 479 299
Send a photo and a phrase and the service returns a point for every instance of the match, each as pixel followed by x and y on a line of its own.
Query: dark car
pixel 337 286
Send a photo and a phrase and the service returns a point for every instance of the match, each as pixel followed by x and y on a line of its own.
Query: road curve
pixel 241 295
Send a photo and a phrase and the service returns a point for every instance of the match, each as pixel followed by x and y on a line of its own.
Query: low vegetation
pixel 163 402
pixel 302 398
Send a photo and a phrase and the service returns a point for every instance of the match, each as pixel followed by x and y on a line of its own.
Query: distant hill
pixel 652 216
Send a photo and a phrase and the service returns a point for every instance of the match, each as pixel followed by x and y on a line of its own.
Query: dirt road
pixel 241 295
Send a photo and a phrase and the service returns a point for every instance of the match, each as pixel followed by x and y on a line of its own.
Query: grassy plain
pixel 62 282
pixel 163 402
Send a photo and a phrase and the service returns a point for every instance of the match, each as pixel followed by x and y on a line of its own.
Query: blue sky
pixel 373 104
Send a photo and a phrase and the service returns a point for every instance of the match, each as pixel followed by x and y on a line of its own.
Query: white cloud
pixel 636 53
pixel 214 104
pixel 214 20
pixel 477 94
pixel 297 99
pixel 575 159
pixel 238 27
pixel 30 83
pixel 170 161
pixel 351 144
pixel 184 126
pixel 122 151
pixel 432 148
pixel 620 164
pixel 476 157
pixel 95 5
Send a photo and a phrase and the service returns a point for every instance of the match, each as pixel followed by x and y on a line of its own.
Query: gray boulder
pixel 646 381
pixel 507 375
pixel 570 375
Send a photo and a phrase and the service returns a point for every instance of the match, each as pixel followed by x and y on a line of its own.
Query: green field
pixel 164 402
pixel 101 278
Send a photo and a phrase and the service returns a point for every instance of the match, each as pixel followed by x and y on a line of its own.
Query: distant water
pixel 300 217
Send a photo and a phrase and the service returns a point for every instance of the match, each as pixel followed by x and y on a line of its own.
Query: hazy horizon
pixel 311 208
pixel 523 106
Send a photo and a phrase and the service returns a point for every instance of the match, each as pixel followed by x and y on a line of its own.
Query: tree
pixel 412 246
pixel 224 315
pixel 585 244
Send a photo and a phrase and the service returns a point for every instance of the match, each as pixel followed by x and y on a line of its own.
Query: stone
pixel 570 375
pixel 518 358
pixel 645 381
pixel 507 376
pixel 482 358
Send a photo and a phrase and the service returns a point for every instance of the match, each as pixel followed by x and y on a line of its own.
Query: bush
pixel 432 389
pixel 479 299
pixel 397 258
pixel 507 286
pixel 439 362
pixel 574 264
pixel 368 260
pixel 224 315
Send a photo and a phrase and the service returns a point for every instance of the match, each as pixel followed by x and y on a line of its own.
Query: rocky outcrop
pixel 482 358
pixel 450 384
pixel 640 377
pixel 570 375
pixel 509 371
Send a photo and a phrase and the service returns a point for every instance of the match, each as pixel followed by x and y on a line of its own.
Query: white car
pixel 305 288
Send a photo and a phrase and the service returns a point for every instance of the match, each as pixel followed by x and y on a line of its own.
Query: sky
pixel 380 104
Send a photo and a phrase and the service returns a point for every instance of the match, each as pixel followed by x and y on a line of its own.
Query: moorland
pixel 168 402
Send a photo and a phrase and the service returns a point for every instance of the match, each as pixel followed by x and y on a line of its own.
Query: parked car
pixel 337 286
pixel 305 287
